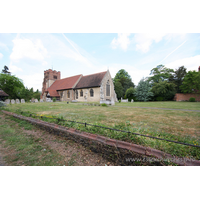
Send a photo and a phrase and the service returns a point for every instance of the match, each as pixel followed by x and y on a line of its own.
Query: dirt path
pixel 73 153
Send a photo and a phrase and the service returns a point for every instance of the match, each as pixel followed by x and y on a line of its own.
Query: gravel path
pixel 160 108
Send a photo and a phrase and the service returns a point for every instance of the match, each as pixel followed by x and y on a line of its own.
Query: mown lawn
pixel 24 149
pixel 164 104
pixel 176 125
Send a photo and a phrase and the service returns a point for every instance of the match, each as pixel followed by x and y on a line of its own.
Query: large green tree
pixel 191 82
pixel 177 77
pixel 160 73
pixel 164 90
pixel 130 94
pixel 143 91
pixel 118 89
pixel 11 85
pixel 124 78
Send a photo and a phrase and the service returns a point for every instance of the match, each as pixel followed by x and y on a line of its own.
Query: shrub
pixel 119 100
pixel 159 98
pixel 104 104
pixel 54 99
pixel 192 99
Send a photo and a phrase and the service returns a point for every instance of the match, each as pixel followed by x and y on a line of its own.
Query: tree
pixel 36 95
pixel 191 82
pixel 143 91
pixel 177 78
pixel 160 73
pixel 164 90
pixel 130 94
pixel 118 89
pixel 5 70
pixel 11 85
pixel 125 79
pixel 28 94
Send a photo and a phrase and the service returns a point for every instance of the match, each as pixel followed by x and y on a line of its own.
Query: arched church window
pixel 76 94
pixel 81 93
pixel 91 92
pixel 108 88
pixel 68 94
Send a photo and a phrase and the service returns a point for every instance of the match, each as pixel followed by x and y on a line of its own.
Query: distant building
pixel 2 95
pixel 90 88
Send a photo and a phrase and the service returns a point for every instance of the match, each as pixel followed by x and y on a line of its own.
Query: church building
pixel 91 88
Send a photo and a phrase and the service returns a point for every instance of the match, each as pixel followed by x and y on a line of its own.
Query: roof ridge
pixel 68 77
pixel 94 73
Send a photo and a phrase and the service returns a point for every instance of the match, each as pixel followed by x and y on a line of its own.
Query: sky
pixel 27 55
pixel 93 36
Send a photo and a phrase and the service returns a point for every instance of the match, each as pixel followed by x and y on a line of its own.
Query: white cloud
pixel 77 53
pixel 13 68
pixel 33 80
pixel 191 63
pixel 135 73
pixel 144 40
pixel 1 55
pixel 25 48
pixel 122 41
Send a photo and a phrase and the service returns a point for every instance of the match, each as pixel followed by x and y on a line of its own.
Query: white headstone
pixel 41 100
pixel 124 100
pixel 112 101
pixel 36 101
pixel 22 101
pixel 132 100
pixel 12 101
pixel 48 99
pixel 7 101
pixel 17 101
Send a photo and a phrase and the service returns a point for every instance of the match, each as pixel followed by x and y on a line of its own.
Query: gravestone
pixel 36 101
pixel 17 101
pixel 112 101
pixel 105 101
pixel 132 100
pixel 7 101
pixel 124 100
pixel 33 100
pixel 48 99
pixel 12 101
pixel 41 100
pixel 22 101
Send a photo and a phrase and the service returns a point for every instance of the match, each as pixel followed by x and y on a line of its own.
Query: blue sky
pixel 28 55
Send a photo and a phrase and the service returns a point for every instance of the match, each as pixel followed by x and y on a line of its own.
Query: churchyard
pixel 179 125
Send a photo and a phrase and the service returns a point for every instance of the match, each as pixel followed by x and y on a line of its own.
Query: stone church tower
pixel 50 76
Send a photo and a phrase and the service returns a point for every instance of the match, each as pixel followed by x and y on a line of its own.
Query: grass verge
pixel 24 149
pixel 168 147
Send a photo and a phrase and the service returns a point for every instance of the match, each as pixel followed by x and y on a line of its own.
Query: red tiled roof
pixel 3 94
pixel 65 83
pixel 93 80
pixel 62 84
pixel 53 93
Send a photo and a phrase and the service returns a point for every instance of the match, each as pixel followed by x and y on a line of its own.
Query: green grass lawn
pixel 176 125
pixel 164 104
pixel 22 147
